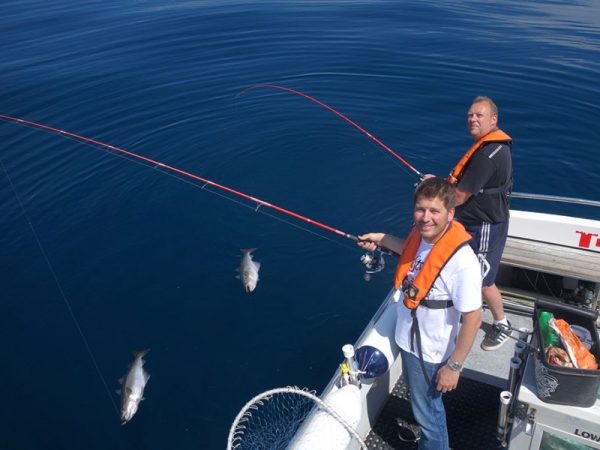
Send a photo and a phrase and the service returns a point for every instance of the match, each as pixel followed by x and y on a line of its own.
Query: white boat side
pixel 555 229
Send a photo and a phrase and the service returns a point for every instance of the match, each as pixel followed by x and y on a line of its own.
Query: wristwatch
pixel 454 366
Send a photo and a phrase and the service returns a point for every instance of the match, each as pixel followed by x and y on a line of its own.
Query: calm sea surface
pixel 129 258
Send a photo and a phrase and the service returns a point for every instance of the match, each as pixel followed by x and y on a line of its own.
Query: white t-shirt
pixel 459 281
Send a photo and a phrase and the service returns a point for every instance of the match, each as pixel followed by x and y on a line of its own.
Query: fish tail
pixel 247 250
pixel 141 353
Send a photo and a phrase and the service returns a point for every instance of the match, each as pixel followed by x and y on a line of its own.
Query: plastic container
pixel 565 385
pixel 549 337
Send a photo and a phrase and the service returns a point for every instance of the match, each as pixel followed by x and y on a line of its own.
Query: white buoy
pixel 324 431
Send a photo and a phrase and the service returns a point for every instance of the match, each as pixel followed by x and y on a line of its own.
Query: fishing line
pixel 342 116
pixel 553 198
pixel 59 287
pixel 256 209
pixel 223 196
pixel 178 173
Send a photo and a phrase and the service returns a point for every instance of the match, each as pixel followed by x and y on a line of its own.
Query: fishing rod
pixel 402 160
pixel 373 262
pixel 339 114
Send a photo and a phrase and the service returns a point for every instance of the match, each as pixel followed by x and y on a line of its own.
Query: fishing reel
pixel 373 262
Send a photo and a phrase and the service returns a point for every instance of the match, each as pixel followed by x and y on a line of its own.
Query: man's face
pixel 431 218
pixel 480 120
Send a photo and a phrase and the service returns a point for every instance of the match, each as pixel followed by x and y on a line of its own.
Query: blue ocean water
pixel 129 258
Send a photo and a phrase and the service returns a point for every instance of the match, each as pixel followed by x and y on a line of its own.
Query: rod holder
pixel 520 348
pixel 348 351
pixel 501 430
pixel 513 374
pixel 524 334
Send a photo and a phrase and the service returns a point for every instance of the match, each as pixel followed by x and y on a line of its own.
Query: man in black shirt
pixel 483 180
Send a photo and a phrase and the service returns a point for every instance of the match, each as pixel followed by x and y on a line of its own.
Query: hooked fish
pixel 248 270
pixel 133 384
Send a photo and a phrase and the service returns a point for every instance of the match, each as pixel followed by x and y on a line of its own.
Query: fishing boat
pixel 549 260
pixel 504 398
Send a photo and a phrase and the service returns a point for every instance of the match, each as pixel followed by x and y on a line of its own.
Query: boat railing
pixel 556 198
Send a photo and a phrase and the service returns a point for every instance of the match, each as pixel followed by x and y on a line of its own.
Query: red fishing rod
pixel 339 114
pixel 178 171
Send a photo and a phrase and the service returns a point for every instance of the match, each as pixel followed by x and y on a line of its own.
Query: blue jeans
pixel 426 402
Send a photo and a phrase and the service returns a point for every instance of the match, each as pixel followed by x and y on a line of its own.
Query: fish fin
pixel 257 265
pixel 121 380
pixel 146 376
pixel 118 391
pixel 237 276
pixel 247 250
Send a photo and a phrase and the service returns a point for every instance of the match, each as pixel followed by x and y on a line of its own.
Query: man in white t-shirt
pixel 439 282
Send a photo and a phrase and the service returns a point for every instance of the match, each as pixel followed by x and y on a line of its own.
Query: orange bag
pixel 581 357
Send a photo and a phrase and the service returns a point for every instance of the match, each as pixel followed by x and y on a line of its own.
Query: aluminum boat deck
pixel 472 409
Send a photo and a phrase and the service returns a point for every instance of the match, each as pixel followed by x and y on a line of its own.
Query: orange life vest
pixel 453 238
pixel 494 136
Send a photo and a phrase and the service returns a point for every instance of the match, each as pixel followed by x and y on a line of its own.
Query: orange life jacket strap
pixel 409 251
pixel 494 136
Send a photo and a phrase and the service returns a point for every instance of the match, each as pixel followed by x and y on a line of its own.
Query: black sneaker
pixel 496 336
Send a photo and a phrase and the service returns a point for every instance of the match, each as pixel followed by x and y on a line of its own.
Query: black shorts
pixel 488 244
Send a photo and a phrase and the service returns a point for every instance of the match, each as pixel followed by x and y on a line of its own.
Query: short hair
pixel 483 98
pixel 436 187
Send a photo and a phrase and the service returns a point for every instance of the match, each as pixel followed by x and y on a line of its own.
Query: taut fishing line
pixel 59 287
pixel 205 188
pixel 190 178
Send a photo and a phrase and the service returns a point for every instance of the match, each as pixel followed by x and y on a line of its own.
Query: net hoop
pixel 237 429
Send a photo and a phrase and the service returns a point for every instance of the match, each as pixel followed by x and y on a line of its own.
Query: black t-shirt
pixel 490 167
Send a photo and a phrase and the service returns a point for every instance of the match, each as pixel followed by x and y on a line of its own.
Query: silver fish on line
pixel 248 270
pixel 132 386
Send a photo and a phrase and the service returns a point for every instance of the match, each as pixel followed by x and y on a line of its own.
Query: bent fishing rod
pixel 372 262
pixel 580 201
pixel 342 116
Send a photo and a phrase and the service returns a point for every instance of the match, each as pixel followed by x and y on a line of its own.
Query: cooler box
pixel 565 385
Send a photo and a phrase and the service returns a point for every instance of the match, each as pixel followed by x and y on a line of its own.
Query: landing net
pixel 276 419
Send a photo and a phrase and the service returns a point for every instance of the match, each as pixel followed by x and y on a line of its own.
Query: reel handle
pixel 379 248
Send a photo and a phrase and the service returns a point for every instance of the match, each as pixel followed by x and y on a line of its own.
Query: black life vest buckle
pixel 409 289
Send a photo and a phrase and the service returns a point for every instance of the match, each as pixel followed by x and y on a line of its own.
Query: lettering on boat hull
pixel 587 240
pixel 595 437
